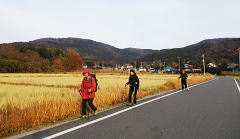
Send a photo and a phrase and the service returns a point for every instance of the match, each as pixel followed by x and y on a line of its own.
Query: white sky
pixel 147 24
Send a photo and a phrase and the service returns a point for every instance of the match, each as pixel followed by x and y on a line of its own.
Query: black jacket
pixel 184 76
pixel 133 81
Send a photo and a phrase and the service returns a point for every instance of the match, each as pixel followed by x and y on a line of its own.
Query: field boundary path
pixel 41 85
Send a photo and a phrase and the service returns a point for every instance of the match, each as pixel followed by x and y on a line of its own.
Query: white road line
pixel 116 113
pixel 237 86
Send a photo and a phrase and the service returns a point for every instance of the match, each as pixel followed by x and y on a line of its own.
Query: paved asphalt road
pixel 207 111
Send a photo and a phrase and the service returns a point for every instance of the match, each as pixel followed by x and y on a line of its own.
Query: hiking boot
pixel 95 112
pixel 129 104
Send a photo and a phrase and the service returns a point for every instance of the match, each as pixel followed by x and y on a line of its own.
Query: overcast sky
pixel 154 24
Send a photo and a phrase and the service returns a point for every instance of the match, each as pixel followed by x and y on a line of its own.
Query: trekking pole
pixel 179 83
pixel 124 92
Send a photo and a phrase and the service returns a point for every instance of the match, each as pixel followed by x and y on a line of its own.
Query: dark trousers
pixel 84 105
pixel 184 84
pixel 131 90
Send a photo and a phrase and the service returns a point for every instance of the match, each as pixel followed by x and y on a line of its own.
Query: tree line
pixel 33 59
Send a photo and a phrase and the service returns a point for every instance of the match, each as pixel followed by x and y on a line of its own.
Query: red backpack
pixel 93 77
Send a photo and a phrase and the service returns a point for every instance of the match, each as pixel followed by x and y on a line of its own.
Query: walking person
pixel 133 82
pixel 184 78
pixel 87 91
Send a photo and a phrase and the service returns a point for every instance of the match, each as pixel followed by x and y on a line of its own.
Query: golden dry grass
pixel 35 103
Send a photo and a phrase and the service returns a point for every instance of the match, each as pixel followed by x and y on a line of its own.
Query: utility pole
pixel 184 63
pixel 238 61
pixel 203 60
pixel 154 63
pixel 102 64
pixel 160 65
pixel 164 65
pixel 135 65
pixel 179 63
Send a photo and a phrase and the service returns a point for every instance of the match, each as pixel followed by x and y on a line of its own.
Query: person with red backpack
pixel 87 91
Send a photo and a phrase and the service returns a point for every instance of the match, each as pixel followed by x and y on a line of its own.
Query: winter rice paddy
pixel 29 100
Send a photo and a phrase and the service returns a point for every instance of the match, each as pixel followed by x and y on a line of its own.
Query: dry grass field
pixel 32 100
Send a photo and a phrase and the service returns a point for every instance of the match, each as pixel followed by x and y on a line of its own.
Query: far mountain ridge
pixel 217 50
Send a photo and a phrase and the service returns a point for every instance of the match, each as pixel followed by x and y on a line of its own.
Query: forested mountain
pixel 68 54
pixel 89 49
pixel 215 50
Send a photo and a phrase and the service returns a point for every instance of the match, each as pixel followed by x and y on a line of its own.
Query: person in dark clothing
pixel 133 82
pixel 184 78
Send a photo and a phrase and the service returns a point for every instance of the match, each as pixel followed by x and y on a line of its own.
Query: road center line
pixel 237 85
pixel 116 113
